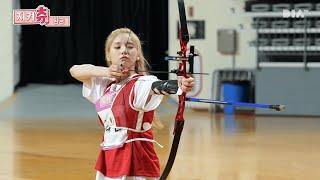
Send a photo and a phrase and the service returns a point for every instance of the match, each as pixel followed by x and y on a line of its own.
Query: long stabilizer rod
pixel 277 107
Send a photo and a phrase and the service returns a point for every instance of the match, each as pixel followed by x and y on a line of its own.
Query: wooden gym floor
pixel 218 147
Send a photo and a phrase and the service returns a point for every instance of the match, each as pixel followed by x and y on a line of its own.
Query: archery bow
pixel 182 71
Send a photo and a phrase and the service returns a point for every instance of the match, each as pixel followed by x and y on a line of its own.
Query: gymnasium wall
pixel 217 14
pixel 6 51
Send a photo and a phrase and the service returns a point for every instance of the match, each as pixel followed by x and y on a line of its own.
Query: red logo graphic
pixel 42 15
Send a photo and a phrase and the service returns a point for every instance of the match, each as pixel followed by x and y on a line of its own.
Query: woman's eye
pixel 117 47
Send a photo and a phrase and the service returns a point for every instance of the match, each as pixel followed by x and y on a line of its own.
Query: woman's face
pixel 123 51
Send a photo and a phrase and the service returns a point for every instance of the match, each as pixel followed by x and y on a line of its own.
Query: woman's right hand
pixel 117 73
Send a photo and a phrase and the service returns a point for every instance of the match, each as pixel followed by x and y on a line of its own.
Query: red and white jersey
pixel 127 148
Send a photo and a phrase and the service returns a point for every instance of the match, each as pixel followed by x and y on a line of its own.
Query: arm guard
pixel 165 87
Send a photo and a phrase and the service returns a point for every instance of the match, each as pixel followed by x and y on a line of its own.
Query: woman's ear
pixel 108 61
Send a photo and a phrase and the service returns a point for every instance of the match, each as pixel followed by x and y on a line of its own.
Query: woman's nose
pixel 124 50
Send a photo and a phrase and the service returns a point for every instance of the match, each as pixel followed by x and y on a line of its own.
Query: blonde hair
pixel 141 64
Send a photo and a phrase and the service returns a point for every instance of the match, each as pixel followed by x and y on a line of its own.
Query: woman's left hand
pixel 186 84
